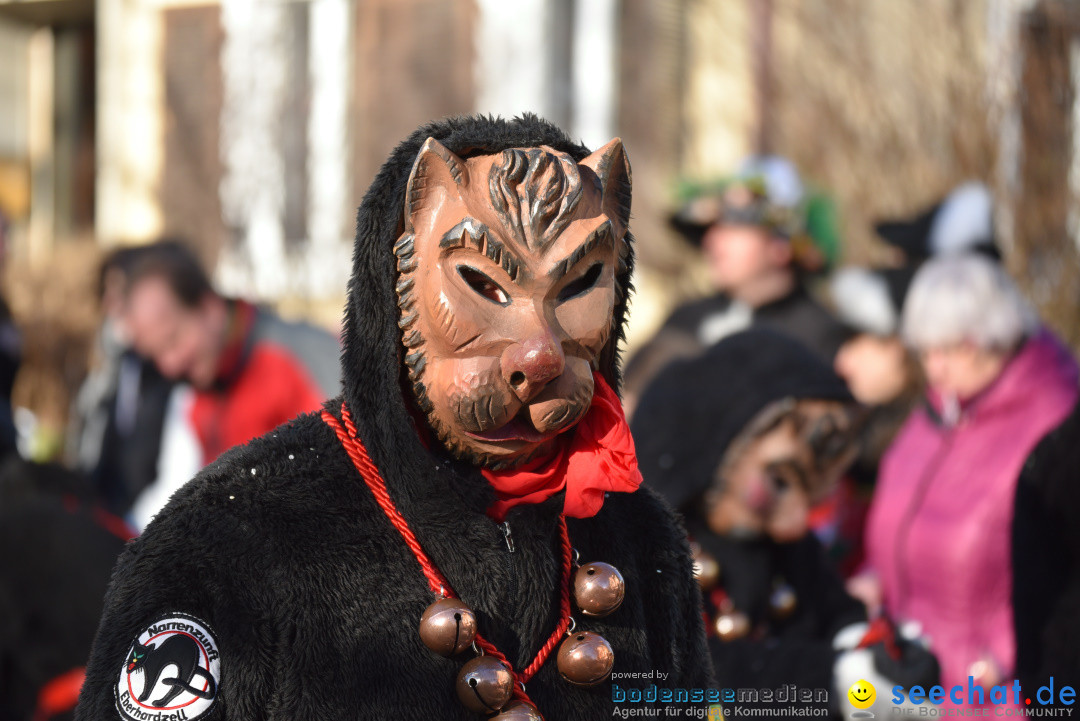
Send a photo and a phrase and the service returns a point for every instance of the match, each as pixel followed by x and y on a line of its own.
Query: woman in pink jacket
pixel 938 531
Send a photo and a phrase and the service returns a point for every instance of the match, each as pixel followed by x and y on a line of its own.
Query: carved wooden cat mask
pixel 506 288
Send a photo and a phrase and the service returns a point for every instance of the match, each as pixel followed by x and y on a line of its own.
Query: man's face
pixel 507 289
pixel 183 342
pixel 772 479
pixel 740 254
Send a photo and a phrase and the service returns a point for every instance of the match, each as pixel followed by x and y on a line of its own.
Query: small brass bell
pixel 585 659
pixel 732 625
pixel 519 711
pixel 706 569
pixel 599 589
pixel 782 601
pixel 448 627
pixel 485 685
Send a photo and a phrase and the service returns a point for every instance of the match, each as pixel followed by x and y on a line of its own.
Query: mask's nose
pixel 530 365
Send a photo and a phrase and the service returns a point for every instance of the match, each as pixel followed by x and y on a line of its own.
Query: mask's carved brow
pixel 471 234
pixel 600 237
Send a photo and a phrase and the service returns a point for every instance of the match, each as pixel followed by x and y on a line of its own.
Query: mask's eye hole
pixel 582 284
pixel 483 285
pixel 785 476
pixel 777 482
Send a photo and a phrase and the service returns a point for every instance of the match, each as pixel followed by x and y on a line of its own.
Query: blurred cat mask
pixel 789 458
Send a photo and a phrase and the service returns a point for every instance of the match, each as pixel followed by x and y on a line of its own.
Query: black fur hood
pixel 373 370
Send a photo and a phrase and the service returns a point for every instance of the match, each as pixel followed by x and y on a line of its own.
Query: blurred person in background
pixel 10 356
pixel 881 371
pixel 884 376
pixel 938 549
pixel 57 550
pixel 1046 561
pixel 743 440
pixel 249 370
pixel 120 410
pixel 763 237
pixel 878 368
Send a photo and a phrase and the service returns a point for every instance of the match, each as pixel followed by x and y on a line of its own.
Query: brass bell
pixel 782 601
pixel 585 659
pixel 732 625
pixel 706 569
pixel 448 627
pixel 599 589
pixel 519 711
pixel 485 685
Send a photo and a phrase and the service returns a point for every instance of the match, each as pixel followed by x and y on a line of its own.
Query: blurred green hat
pixel 766 192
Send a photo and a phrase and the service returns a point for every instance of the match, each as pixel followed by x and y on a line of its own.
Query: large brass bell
pixel 448 627
pixel 485 685
pixel 519 711
pixel 599 589
pixel 585 659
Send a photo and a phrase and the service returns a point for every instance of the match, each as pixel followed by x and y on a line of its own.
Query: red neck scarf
pixel 596 456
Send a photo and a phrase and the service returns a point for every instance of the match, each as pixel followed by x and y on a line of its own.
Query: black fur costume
pixel 312 595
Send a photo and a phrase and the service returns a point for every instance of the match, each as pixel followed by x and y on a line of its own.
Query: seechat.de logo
pixel 975 694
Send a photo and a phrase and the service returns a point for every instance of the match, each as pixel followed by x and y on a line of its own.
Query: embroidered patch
pixel 171 671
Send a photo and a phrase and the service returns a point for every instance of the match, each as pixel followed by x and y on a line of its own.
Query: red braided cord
pixel 438 584
pixel 564 607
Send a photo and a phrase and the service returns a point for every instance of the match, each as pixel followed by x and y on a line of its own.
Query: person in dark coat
pixel 763 237
pixel 57 549
pixel 743 440
pixel 1046 561
pixel 282 577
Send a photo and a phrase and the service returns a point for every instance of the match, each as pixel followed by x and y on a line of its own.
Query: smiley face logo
pixel 862 694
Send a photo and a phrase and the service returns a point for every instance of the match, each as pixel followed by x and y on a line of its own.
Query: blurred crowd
pixel 181 374
pixel 875 465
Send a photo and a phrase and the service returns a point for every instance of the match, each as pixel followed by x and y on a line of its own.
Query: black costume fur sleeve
pixel 1046 560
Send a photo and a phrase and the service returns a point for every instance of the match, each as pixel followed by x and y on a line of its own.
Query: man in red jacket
pixel 250 370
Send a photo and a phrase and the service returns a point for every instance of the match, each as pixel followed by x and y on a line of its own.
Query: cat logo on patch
pixel 171 671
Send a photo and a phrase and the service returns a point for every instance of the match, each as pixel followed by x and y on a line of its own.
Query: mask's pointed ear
pixel 435 166
pixel 613 168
